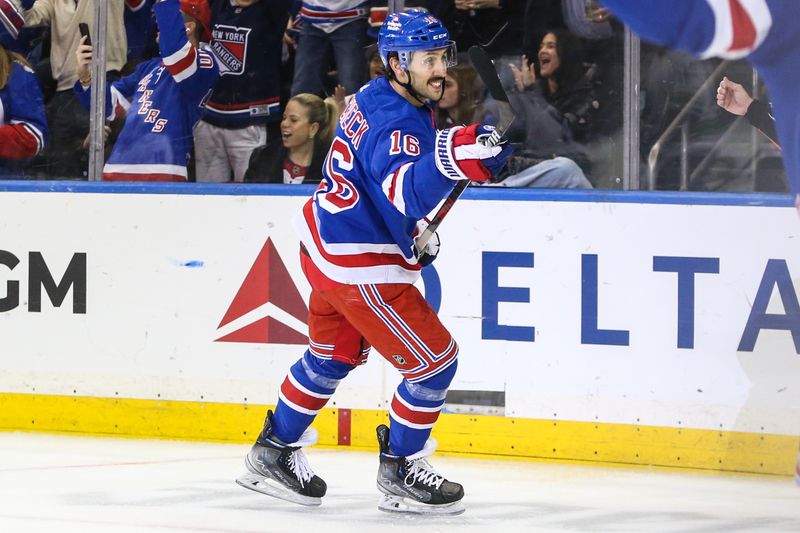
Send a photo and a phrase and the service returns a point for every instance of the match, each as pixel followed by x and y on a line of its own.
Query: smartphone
pixel 84 29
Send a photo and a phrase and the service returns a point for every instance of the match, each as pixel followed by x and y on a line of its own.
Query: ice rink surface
pixel 60 484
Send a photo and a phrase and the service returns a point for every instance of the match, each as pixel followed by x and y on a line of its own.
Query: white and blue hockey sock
pixel 414 410
pixel 311 381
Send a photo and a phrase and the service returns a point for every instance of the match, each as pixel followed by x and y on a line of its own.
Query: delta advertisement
pixel 631 310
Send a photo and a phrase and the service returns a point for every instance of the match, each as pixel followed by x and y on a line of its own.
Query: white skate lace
pixel 300 468
pixel 297 459
pixel 421 470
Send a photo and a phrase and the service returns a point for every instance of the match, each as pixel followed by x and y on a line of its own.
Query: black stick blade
pixel 485 69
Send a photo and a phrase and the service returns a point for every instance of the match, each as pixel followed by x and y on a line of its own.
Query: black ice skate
pixel 411 485
pixel 281 470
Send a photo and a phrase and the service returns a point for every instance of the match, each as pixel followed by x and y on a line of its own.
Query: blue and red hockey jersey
pixel 381 175
pixel 247 42
pixel 163 100
pixel 13 35
pixel 765 31
pixel 329 15
pixel 140 28
pixel 23 126
pixel 12 20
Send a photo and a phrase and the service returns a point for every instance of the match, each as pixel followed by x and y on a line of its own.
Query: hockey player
pixel 23 125
pixel 162 98
pixel 386 169
pixel 764 31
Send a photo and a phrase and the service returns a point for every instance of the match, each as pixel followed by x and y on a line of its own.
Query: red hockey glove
pixel 464 153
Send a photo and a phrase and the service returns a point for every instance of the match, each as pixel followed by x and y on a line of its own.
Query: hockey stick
pixel 485 68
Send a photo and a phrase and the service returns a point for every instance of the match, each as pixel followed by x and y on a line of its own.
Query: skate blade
pixel 397 504
pixel 270 487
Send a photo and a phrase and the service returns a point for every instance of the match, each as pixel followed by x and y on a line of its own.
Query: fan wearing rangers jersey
pixel 163 97
pixel 339 26
pixel 23 125
pixel 764 31
pixel 387 168
pixel 13 35
pixel 247 42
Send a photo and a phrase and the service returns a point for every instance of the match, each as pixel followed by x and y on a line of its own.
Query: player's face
pixel 450 98
pixel 296 130
pixel 548 56
pixel 428 70
pixel 246 3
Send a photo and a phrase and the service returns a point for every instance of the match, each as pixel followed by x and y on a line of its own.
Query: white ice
pixel 59 484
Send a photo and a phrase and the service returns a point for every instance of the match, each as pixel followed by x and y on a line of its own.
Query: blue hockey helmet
pixel 411 31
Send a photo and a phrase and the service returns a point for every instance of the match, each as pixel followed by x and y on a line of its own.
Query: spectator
pixel 375 69
pixel 733 98
pixel 69 121
pixel 162 97
pixel 555 109
pixel 140 32
pixel 496 25
pixel 339 26
pixel 27 42
pixel 11 25
pixel 379 12
pixel 23 126
pixel 460 103
pixel 770 175
pixel 306 133
pixel 248 38
pixel 375 66
pixel 586 19
pixel 540 17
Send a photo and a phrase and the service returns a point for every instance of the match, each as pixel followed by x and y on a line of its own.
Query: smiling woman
pixel 306 131
pixel 556 110
pixel 461 101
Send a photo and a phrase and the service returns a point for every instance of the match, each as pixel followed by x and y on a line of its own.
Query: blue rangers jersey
pixel 140 28
pixel 381 175
pixel 764 31
pixel 11 20
pixel 163 99
pixel 13 35
pixel 23 126
pixel 329 15
pixel 247 43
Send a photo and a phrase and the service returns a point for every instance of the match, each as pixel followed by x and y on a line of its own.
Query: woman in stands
pixel 555 104
pixel 460 103
pixel 23 125
pixel 306 133
pixel 561 80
